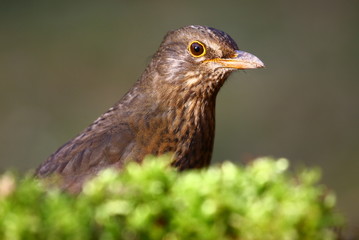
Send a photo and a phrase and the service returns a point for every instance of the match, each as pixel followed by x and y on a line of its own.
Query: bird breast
pixel 183 125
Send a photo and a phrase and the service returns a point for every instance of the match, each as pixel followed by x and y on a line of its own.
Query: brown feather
pixel 171 108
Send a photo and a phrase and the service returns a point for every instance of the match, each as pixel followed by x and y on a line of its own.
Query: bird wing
pixel 90 152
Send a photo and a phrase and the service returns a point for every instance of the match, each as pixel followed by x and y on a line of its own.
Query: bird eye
pixel 197 49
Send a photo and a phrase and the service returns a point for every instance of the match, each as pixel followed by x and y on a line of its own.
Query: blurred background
pixel 64 63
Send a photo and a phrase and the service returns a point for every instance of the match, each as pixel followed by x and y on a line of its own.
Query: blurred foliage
pixel 262 201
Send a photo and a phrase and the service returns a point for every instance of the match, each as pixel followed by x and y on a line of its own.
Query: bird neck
pixel 187 103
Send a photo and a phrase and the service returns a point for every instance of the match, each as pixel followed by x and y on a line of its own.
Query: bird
pixel 169 109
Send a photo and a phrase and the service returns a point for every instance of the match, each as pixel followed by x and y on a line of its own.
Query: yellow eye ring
pixel 197 49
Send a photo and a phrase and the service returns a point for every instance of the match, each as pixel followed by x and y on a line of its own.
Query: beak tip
pixel 257 63
pixel 260 64
pixel 249 61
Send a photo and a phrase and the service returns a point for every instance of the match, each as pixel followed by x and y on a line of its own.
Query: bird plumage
pixel 171 108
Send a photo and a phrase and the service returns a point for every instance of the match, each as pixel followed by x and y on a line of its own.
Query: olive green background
pixel 64 63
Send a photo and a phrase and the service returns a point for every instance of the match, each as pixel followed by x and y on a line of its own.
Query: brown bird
pixel 171 108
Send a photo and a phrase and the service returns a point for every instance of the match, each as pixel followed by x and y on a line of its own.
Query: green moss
pixel 261 201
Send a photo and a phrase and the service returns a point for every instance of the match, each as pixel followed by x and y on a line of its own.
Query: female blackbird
pixel 171 108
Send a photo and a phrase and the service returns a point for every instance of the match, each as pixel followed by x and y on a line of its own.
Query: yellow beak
pixel 240 60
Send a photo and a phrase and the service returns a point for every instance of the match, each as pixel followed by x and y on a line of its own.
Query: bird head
pixel 199 56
